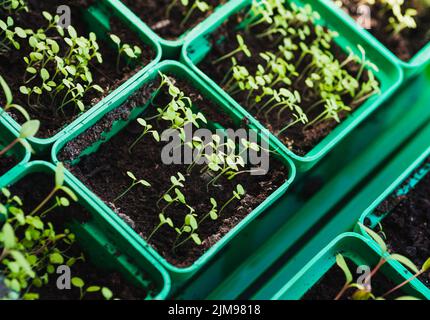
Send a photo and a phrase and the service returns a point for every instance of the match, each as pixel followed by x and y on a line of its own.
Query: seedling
pixel 200 5
pixel 131 53
pixel 146 130
pixel 9 101
pixel 59 186
pixel 242 48
pixel 163 221
pixel 14 5
pixel 83 289
pixel 135 182
pixel 28 130
pixel 237 195
pixel 189 230
pixel 177 182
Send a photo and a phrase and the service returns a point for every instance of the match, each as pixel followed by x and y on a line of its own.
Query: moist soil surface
pixel 169 25
pixel 32 194
pixel 12 65
pixel 7 163
pixel 104 172
pixel 404 45
pixel 299 139
pixel 332 282
pixel 407 226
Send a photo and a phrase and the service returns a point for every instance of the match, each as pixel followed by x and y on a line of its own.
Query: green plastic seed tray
pixel 329 199
pixel 355 248
pixel 98 17
pixel 411 68
pixel 413 174
pixel 390 75
pixel 7 135
pixel 178 275
pixel 107 247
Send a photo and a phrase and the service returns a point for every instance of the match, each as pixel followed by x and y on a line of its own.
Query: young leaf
pixel 340 261
pixel 29 129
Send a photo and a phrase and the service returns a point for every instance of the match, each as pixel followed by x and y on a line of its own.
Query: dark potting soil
pixel 169 26
pixel 404 45
pixel 12 66
pixel 7 163
pixel 32 189
pixel 104 172
pixel 299 139
pixel 333 281
pixel 407 227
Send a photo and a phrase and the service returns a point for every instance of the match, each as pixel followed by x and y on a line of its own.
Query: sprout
pixel 135 182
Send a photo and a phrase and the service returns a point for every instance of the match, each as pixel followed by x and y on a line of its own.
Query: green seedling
pixel 58 186
pixel 189 230
pixel 135 182
pixel 83 289
pixel 147 128
pixel 242 48
pixel 9 101
pixel 28 130
pixel 200 5
pixel 163 221
pixel 131 53
pixel 14 6
pixel 176 182
pixel 237 195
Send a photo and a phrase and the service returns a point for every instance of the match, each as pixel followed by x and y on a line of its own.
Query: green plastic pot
pixel 414 174
pixel 98 17
pixel 390 75
pixel 8 134
pixel 171 48
pixel 102 242
pixel 355 248
pixel 179 275
pixel 411 68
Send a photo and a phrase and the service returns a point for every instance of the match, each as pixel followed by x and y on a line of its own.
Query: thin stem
pixel 8 147
pixel 45 201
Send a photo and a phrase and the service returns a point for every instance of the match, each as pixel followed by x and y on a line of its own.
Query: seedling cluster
pixel 219 160
pixel 401 14
pixel 300 81
pixel 59 63
pixel 31 247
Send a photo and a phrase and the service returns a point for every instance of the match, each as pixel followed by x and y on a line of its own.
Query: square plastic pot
pixel 390 75
pixel 414 174
pixel 171 48
pixel 358 250
pixel 98 16
pixel 411 68
pixel 7 135
pixel 179 275
pixel 102 242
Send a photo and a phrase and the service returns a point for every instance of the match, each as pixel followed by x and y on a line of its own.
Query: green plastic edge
pixel 22 154
pixel 411 68
pixel 102 237
pixel 178 275
pixel 355 247
pixel 171 49
pixel 368 213
pixel 43 144
pixel 390 75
